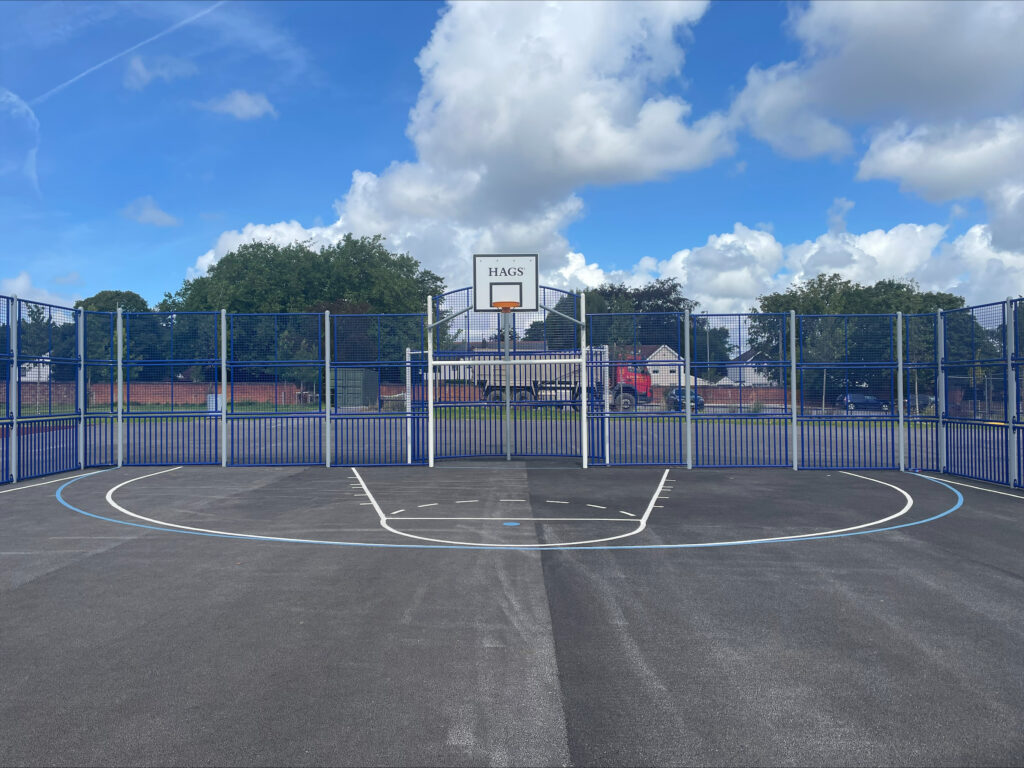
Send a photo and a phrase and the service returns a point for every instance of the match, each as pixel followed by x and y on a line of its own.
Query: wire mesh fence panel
pixel 741 397
pixel 276 383
pixel 171 381
pixel 6 361
pixel 47 378
pixel 494 398
pixel 100 379
pixel 977 392
pixel 637 386
pixel 920 390
pixel 378 389
pixel 1018 378
pixel 847 368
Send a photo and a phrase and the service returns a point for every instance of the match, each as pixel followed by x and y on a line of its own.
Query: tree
pixel 845 326
pixel 264 277
pixel 109 301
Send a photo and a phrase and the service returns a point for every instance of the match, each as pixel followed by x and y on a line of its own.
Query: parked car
pixel 675 398
pixel 858 402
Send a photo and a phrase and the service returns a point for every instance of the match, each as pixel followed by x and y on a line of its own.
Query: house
pixel 748 370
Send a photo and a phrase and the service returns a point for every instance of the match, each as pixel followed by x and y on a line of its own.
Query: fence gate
pixel 524 401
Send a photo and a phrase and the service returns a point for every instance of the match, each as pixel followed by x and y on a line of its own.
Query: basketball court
pixel 488 534
pixel 510 613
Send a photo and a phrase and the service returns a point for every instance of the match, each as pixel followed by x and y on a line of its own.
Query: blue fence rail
pixel 305 389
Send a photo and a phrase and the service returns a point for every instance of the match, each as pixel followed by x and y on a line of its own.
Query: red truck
pixel 630 384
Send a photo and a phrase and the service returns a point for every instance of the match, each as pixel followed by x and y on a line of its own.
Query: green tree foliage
pixel 263 277
pixel 830 342
pixel 109 301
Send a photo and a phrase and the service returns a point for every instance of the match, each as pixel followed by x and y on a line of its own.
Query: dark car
pixel 857 402
pixel 675 398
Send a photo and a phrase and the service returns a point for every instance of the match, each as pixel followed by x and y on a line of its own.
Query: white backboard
pixel 505 277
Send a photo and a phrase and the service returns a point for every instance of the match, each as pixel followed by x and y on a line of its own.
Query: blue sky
pixel 735 146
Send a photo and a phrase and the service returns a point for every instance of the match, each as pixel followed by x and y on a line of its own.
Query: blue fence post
pixel 1011 394
pixel 899 390
pixel 327 388
pixel 13 388
pixel 795 440
pixel 223 388
pixel 80 395
pixel 940 380
pixel 687 371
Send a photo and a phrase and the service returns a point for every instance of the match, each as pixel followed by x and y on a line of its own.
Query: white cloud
pixel 281 233
pixel 520 106
pixel 241 105
pixel 146 211
pixel 885 61
pixel 19 128
pixel 138 74
pixel 22 286
pixel 942 163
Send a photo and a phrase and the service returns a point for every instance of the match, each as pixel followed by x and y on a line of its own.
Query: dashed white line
pixel 467 501
pixel 552 501
pixel 397 511
pixel 523 500
pixel 624 512
pixel 596 506
pixel 431 504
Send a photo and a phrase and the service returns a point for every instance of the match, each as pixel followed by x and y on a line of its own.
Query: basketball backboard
pixel 502 278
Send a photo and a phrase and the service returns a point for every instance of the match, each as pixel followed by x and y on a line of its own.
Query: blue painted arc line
pixel 242 537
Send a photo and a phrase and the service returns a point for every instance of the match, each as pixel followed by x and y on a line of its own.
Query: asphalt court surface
pixel 510 613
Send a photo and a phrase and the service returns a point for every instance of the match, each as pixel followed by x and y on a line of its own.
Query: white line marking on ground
pixel 596 506
pixel 364 504
pixel 624 512
pixel 380 514
pixel 523 500
pixel 467 501
pixel 551 501
pixel 431 504
pixel 47 482
pixel 981 488
pixel 535 519
pixel 397 511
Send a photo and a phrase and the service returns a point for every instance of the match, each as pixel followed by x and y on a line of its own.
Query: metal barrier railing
pixel 935 392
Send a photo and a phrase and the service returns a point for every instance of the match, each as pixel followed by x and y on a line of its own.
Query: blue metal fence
pixel 47 386
pixel 273 409
pixel 6 394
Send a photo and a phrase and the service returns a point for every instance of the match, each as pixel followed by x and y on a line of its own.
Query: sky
pixel 737 147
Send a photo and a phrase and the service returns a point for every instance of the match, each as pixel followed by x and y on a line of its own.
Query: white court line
pixel 534 519
pixel 981 488
pixel 596 506
pixel 397 511
pixel 468 501
pixel 641 524
pixel 624 512
pixel 380 514
pixel 46 482
pixel 549 501
pixel 419 506
pixel 523 500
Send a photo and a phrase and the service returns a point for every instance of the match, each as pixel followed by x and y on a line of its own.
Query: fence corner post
pixel 430 381
pixel 81 398
pixel 584 443
pixel 940 383
pixel 899 391
pixel 223 388
pixel 688 384
pixel 13 385
pixel 120 387
pixel 327 388
pixel 1011 395
pixel 794 439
